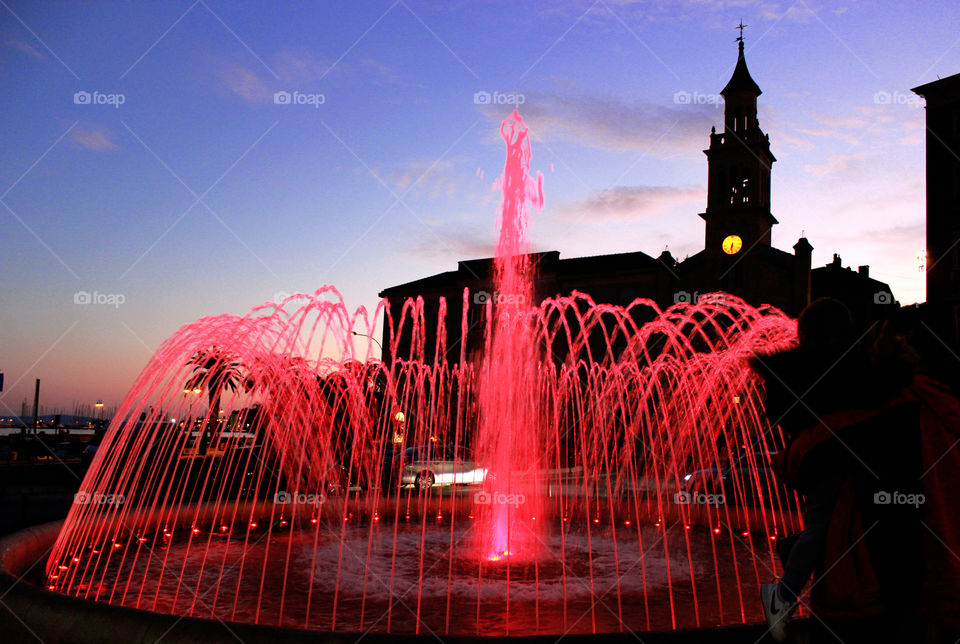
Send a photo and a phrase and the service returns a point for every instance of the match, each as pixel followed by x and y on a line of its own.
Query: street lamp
pixel 99 406
pixel 364 335
pixel 398 420
pixel 191 395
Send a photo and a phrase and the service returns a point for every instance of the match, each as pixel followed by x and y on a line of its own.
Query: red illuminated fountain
pixel 263 470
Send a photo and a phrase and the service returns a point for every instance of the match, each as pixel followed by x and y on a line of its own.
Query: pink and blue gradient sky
pixel 200 195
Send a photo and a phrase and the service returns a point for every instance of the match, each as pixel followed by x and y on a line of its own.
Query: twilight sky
pixel 145 160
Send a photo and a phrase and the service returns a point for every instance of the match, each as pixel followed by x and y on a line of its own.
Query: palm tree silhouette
pixel 215 371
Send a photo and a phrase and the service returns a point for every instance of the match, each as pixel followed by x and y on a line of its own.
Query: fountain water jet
pixel 509 439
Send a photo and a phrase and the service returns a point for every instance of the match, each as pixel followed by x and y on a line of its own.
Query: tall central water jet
pixel 510 434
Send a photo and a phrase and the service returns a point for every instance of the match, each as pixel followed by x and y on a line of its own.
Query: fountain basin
pixel 33 611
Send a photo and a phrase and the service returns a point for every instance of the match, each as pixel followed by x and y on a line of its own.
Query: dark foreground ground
pixel 31 494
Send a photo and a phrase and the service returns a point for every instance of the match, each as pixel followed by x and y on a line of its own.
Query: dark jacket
pixel 894 537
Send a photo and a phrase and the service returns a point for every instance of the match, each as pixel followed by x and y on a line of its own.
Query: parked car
pixel 432 465
pixel 68 450
pixel 746 481
pixel 86 456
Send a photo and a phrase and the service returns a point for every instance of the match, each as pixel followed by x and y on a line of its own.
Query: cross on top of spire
pixel 741 27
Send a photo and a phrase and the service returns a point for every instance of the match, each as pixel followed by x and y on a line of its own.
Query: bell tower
pixel 739 159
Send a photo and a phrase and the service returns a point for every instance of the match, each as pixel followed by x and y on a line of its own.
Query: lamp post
pixel 191 395
pixel 398 427
pixel 99 406
pixel 364 335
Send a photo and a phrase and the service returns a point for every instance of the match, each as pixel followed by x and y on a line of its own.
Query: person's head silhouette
pixel 826 325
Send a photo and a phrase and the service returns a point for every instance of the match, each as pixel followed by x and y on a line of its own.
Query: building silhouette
pixel 943 205
pixel 738 256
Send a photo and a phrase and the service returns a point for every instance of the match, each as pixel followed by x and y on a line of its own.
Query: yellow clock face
pixel 732 244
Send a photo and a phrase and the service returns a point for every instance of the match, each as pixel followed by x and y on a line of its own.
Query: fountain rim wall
pixel 52 616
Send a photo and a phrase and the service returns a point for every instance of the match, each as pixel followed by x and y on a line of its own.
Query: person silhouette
pixel 800 385
pixel 863 431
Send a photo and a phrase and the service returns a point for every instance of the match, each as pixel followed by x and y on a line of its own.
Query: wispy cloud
pixel 430 178
pixel 25 48
pixel 616 124
pixel 791 12
pixel 382 72
pixel 296 70
pixel 836 164
pixel 245 83
pixel 626 202
pixel 92 137
pixel 301 66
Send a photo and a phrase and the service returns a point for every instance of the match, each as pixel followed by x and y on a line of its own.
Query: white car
pixel 432 465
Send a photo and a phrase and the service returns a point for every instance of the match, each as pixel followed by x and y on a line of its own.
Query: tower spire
pixel 741 81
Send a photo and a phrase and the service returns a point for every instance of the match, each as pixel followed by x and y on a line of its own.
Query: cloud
pixel 255 84
pixel 830 134
pixel 462 244
pixel 796 12
pixel 852 126
pixel 836 163
pixel 431 178
pixel 92 137
pixel 301 67
pixel 24 48
pixel 451 242
pixel 383 72
pixel 615 124
pixel 625 202
pixel 798 142
pixel 891 235
pixel 245 83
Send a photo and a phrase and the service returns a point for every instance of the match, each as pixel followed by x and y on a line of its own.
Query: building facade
pixel 943 205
